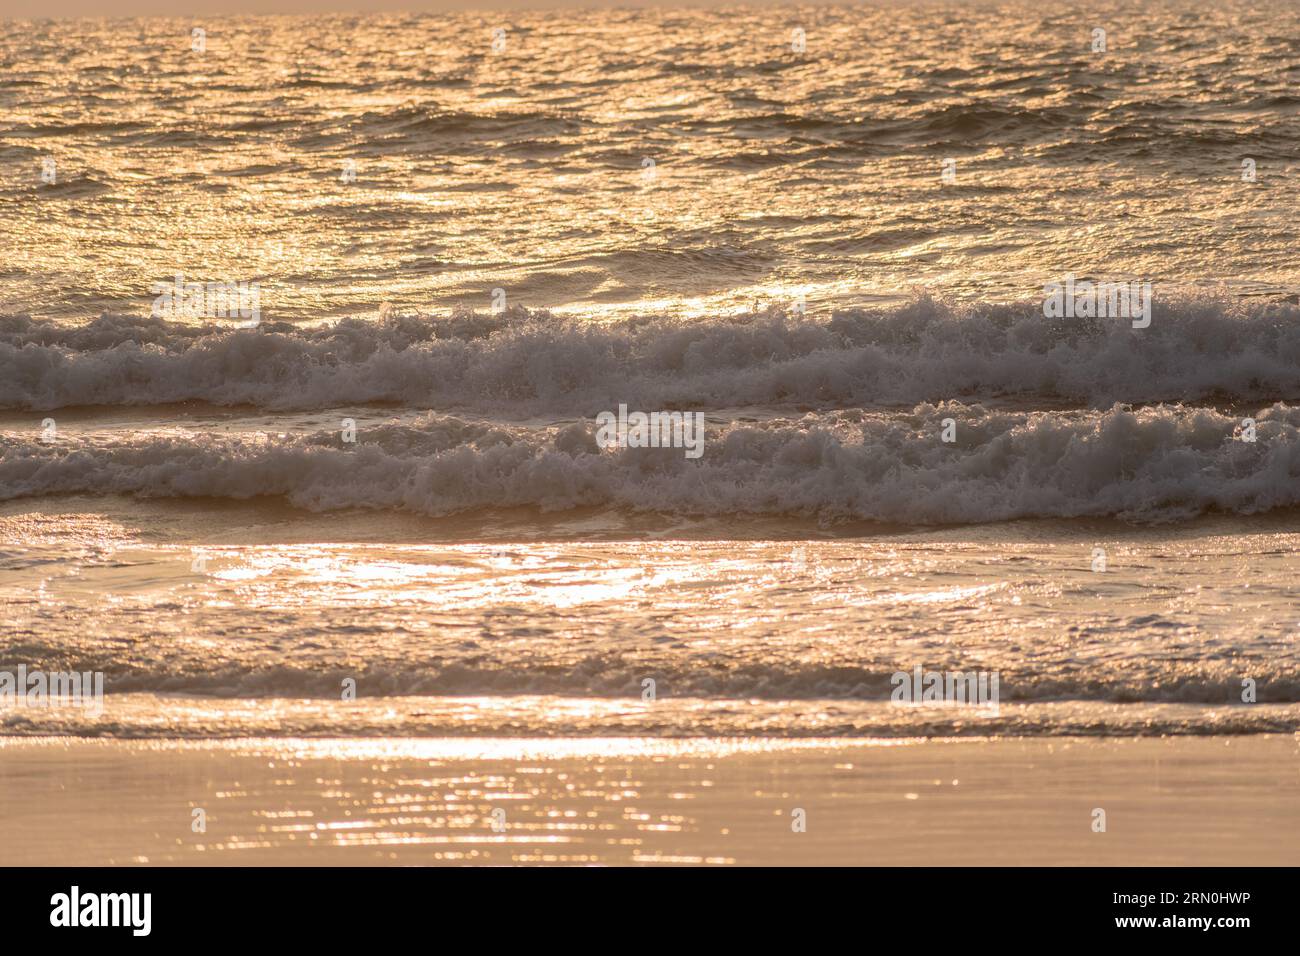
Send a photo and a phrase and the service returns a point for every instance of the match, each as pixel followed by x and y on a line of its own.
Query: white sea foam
pixel 1155 463
pixel 535 363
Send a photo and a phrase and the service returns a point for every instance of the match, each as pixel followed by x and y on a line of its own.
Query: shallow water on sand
pixel 1168 802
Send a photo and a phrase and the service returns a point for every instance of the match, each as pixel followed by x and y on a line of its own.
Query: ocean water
pixel 523 167
pixel 393 482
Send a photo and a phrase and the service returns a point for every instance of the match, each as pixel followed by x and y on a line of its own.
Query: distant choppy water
pixel 775 173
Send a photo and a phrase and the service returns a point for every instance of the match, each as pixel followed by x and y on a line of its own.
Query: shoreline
pixel 637 800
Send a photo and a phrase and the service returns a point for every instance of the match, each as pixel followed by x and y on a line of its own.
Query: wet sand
pixel 1168 801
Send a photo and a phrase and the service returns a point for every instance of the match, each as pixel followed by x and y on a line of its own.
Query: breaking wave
pixel 537 363
pixel 1149 464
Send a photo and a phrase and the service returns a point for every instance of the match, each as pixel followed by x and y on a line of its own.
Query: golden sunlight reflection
pixel 501 800
pixel 606 800
pixel 468 575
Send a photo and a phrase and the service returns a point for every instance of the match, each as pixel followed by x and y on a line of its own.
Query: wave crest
pixel 1152 464
pixel 536 363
